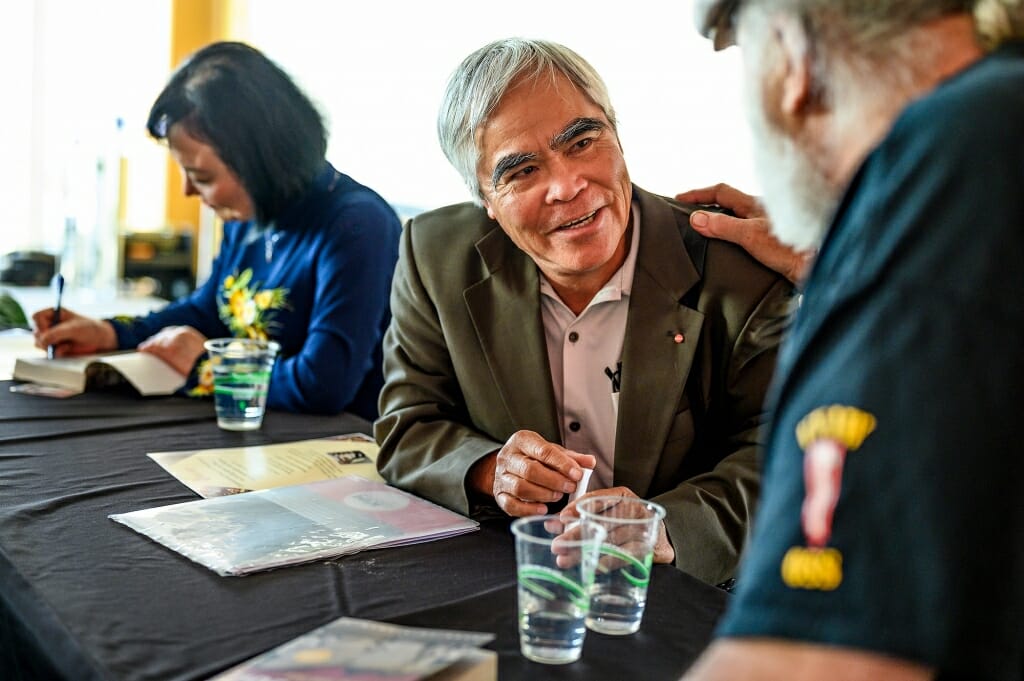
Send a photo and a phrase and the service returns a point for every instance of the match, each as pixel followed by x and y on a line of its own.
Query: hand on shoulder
pixel 748 227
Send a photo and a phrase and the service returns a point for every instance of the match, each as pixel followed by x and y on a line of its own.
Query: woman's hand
pixel 73 334
pixel 179 346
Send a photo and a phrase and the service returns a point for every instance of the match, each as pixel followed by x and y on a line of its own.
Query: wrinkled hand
pixel 626 537
pixel 74 334
pixel 179 346
pixel 528 473
pixel 750 229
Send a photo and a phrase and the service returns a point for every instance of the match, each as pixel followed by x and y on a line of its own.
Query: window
pixel 71 72
pixel 377 71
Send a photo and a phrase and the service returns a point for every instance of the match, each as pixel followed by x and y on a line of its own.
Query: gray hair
pixel 482 79
pixel 999 20
pixel 862 53
pixel 859 27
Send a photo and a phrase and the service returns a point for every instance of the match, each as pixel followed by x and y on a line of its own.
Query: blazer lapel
pixel 505 309
pixel 660 342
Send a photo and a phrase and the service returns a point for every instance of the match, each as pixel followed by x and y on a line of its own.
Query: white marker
pixel 581 486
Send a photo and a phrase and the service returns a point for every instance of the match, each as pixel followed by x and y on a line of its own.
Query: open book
pixel 361 650
pixel 243 533
pixel 147 373
pixel 233 470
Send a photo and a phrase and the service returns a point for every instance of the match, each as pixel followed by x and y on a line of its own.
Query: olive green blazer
pixel 466 366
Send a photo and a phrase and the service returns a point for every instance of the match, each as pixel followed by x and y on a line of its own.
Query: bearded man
pixel 888 544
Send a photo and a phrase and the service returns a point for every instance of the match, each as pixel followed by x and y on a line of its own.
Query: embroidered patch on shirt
pixel 826 435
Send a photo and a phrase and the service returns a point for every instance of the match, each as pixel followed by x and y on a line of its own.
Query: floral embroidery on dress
pixel 248 311
pixel 204 374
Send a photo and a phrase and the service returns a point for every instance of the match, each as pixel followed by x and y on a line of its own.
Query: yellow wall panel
pixel 195 23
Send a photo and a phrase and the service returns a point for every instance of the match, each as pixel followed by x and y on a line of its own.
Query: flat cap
pixel 715 21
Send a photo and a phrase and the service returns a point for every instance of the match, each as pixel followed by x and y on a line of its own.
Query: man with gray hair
pixel 568 321
pixel 889 543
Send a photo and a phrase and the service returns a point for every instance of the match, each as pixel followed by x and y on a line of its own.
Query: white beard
pixel 795 194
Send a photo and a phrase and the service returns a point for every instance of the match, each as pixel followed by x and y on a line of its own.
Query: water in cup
pixel 241 378
pixel 240 395
pixel 616 609
pixel 555 569
pixel 618 594
pixel 551 629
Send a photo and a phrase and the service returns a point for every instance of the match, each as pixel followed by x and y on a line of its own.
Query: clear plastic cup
pixel 555 570
pixel 618 594
pixel 241 377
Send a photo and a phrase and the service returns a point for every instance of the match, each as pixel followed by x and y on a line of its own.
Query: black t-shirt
pixel 892 516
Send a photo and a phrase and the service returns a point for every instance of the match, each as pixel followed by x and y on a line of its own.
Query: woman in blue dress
pixel 307 253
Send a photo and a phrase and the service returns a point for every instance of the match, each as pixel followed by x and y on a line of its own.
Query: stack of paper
pixel 243 533
pixel 233 470
pixel 361 650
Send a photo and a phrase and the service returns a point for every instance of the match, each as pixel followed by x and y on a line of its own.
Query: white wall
pixel 378 70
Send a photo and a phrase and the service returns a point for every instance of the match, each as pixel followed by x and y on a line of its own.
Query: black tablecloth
pixel 82 597
pixel 30 417
pixel 680 614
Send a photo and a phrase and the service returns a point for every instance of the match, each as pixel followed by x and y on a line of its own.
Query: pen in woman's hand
pixel 59 281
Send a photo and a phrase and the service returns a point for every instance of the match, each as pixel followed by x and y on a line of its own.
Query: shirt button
pixel 573 336
pixel 574 426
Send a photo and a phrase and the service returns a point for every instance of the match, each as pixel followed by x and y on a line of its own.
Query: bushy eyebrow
pixel 506 162
pixel 576 127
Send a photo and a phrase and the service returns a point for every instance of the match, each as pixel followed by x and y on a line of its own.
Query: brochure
pixel 354 649
pixel 244 533
pixel 219 472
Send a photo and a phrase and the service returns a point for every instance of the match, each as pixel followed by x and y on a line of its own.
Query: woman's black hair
pixel 262 126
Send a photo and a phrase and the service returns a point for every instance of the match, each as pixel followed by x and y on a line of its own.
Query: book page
pixel 149 374
pixel 218 472
pixel 66 372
